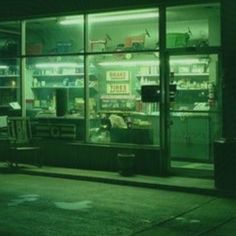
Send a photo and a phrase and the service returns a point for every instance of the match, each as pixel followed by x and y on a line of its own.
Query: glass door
pixel 194 110
pixel 193 41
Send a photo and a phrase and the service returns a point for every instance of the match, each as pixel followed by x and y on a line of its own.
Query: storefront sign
pixel 117 75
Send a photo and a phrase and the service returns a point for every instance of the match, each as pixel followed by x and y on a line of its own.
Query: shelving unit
pixel 44 86
pixel 145 79
pixel 9 89
pixel 117 103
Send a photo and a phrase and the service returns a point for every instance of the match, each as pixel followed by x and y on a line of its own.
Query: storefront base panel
pixel 4 149
pixel 99 157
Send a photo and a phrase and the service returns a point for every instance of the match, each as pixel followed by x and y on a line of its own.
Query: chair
pixel 21 141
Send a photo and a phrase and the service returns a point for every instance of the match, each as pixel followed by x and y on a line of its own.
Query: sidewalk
pixel 173 183
pixel 113 209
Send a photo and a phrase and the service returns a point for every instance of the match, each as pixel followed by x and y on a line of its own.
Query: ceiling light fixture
pixel 124 63
pixel 58 65
pixel 4 67
pixel 137 15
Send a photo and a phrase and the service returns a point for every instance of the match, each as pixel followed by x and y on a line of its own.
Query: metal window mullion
pixel 164 87
pixel 86 80
pixel 22 70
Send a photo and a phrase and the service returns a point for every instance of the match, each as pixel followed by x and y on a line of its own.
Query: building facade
pixel 152 79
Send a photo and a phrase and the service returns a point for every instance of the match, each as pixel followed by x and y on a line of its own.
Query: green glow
pixel 137 15
pixel 188 61
pixel 4 67
pixel 57 65
pixel 153 62
pixel 71 21
pixel 124 17
pixel 130 63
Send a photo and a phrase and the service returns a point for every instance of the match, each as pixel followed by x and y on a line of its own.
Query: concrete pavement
pixel 173 183
pixel 41 205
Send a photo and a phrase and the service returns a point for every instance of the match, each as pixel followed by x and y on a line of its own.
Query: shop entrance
pixel 194 112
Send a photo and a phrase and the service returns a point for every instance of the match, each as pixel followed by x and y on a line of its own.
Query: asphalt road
pixel 33 205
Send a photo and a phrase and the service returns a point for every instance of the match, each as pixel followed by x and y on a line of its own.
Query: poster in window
pixel 118 88
pixel 117 75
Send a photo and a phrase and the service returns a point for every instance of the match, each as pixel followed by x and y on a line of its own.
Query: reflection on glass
pixel 121 115
pixel 9 81
pixel 10 38
pixel 193 26
pixel 118 31
pixel 47 75
pixel 57 35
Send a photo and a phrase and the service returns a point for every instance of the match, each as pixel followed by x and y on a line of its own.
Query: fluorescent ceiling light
pixel 154 62
pixel 4 67
pixel 123 17
pixel 58 65
pixel 71 21
pixel 111 17
pixel 188 61
pixel 130 63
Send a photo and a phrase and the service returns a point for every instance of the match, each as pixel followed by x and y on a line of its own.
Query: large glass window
pixel 193 26
pixel 56 35
pixel 55 84
pixel 121 55
pixel 122 116
pixel 123 31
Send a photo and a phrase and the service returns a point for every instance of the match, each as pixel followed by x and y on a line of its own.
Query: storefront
pixel 89 70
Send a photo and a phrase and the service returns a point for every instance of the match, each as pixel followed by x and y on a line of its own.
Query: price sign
pixel 118 88
pixel 117 75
